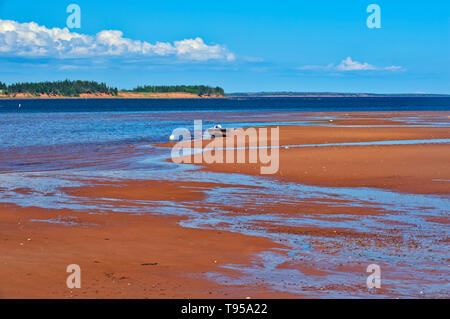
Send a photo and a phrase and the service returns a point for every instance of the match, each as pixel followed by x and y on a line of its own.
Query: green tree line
pixel 194 89
pixel 60 88
pixel 75 88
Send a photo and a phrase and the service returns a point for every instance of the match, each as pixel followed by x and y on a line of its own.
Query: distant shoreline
pixel 120 95
pixel 180 95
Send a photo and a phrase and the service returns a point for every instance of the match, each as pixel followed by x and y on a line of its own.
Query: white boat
pixel 216 131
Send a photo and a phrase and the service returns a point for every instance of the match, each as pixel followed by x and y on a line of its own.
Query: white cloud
pixel 32 40
pixel 349 65
pixel 317 67
pixel 394 68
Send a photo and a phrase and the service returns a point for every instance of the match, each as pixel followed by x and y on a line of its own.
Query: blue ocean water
pixel 306 104
pixel 66 121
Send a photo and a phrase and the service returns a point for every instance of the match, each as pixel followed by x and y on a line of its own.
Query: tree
pixel 3 88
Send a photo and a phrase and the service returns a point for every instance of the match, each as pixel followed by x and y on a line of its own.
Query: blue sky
pixel 239 45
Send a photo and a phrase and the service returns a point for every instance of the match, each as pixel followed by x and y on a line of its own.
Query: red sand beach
pixel 394 167
pixel 150 255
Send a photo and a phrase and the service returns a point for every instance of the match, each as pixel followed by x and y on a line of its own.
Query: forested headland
pixel 58 88
pixel 69 88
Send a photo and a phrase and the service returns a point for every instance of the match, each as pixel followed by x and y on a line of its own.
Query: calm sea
pixel 99 122
pixel 235 104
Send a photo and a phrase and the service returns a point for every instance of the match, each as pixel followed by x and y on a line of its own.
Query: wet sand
pixel 120 256
pixel 410 169
pixel 328 241
pixel 419 168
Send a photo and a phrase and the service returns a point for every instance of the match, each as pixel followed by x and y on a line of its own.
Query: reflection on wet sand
pixel 345 197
